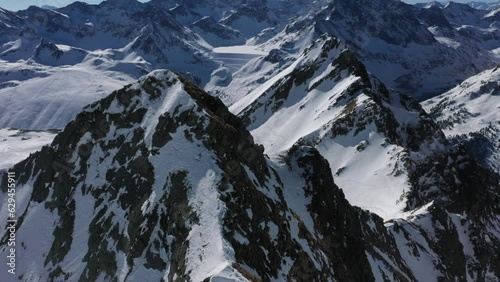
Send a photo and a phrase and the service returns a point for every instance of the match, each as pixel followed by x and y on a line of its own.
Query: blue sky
pixel 22 4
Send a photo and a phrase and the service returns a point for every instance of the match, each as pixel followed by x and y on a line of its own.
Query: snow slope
pixel 470 112
pixel 54 95
pixel 16 145
pixel 326 99
pixel 235 57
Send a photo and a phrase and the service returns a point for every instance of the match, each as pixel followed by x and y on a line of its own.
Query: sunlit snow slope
pixel 470 113
pixel 16 145
pixel 327 99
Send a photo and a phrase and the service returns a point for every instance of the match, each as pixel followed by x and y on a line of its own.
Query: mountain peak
pixel 159 180
pixel 146 123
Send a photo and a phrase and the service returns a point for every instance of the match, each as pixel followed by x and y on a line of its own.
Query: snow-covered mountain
pixel 484 5
pixel 386 153
pixel 428 5
pixel 223 169
pixel 118 41
pixel 130 34
pixel 474 4
pixel 248 17
pixel 463 22
pixel 111 205
pixel 470 114
pixel 327 99
pixel 221 211
pixel 398 46
pixel 87 51
pixel 420 52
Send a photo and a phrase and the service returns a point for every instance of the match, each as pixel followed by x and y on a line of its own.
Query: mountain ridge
pixel 224 211
pixel 77 163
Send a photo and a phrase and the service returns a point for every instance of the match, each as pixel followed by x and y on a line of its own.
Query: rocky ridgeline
pixel 443 179
pixel 160 180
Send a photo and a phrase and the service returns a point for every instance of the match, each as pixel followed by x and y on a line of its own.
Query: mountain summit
pixel 159 180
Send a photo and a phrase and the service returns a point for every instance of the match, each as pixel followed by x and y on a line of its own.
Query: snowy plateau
pixel 250 140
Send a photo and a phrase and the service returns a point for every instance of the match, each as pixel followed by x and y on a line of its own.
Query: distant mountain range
pixel 473 4
pixel 420 52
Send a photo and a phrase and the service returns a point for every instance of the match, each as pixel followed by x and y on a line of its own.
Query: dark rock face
pixel 461 245
pixel 344 227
